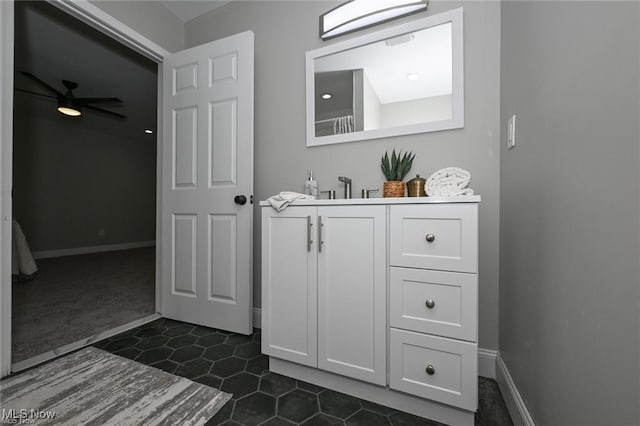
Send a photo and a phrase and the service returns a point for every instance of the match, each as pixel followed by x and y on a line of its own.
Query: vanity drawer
pixel 434 236
pixel 435 302
pixel 434 367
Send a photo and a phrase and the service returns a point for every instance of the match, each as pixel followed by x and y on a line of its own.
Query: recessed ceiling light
pixel 148 131
pixel 412 76
pixel 327 96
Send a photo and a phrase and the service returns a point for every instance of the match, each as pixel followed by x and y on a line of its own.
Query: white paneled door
pixel 207 156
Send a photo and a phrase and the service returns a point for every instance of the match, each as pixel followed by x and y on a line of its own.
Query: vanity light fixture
pixel 355 15
pixel 327 96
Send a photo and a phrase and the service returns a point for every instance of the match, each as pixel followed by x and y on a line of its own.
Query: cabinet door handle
pixel 320 242
pixel 430 370
pixel 309 240
pixel 430 238
pixel 430 303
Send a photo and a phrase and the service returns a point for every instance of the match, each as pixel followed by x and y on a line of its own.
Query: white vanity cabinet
pixel 376 298
pixel 324 288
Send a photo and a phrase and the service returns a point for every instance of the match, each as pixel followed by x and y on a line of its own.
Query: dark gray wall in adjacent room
pixel 89 181
pixel 72 180
pixel 569 209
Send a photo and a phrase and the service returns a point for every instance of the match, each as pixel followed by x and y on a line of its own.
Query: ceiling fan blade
pixel 42 83
pixel 35 93
pixel 85 101
pixel 104 111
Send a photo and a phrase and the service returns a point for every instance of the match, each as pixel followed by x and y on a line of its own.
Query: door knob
pixel 240 199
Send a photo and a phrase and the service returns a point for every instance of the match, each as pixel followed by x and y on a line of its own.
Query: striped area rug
pixel 94 387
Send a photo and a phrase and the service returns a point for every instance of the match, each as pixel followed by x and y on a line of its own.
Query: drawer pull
pixel 430 303
pixel 430 238
pixel 430 370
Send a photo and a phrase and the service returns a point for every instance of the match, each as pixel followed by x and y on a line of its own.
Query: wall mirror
pixel 396 81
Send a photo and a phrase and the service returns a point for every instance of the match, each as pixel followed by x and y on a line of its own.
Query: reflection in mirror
pixel 402 80
pixel 397 81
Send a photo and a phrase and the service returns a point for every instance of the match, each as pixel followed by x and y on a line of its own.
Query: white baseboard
pixel 515 404
pixel 487 363
pixel 91 249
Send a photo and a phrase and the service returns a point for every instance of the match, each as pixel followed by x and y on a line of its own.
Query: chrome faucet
pixel 347 186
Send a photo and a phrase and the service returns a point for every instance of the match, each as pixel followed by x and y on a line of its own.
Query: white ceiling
pixel 186 10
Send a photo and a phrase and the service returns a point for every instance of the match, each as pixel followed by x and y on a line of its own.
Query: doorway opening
pixel 84 189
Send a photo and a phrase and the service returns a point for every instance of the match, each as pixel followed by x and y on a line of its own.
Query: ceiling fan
pixel 68 104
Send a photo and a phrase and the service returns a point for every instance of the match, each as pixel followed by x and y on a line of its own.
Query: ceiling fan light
pixel 70 111
pixel 66 107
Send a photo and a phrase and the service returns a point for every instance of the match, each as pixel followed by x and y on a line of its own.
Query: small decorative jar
pixel 415 187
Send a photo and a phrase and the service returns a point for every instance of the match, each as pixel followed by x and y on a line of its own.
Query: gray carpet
pixel 94 387
pixel 75 297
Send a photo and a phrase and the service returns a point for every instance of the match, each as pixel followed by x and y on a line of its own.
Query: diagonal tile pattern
pixel 234 364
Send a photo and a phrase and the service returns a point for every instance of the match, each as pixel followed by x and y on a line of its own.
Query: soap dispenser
pixel 310 185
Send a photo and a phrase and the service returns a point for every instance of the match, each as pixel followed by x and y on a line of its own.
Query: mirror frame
pixel 455 17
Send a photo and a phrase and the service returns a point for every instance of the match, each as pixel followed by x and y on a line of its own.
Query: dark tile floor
pixel 233 363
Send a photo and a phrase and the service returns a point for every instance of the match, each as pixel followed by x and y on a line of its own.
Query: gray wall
pixel 284 32
pixel 73 178
pixel 569 255
pixel 149 18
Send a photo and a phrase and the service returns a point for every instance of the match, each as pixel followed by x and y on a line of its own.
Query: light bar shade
pixel 358 14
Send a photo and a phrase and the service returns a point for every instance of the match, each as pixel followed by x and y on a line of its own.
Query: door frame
pixel 107 24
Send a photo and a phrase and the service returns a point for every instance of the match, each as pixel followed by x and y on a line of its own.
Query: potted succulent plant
pixel 395 168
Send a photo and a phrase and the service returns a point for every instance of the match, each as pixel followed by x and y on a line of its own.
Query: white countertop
pixel 384 201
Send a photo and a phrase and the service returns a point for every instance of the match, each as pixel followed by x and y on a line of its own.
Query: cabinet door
pixel 351 292
pixel 289 284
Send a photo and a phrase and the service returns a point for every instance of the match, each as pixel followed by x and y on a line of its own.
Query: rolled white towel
pixel 449 182
pixel 451 192
pixel 282 200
